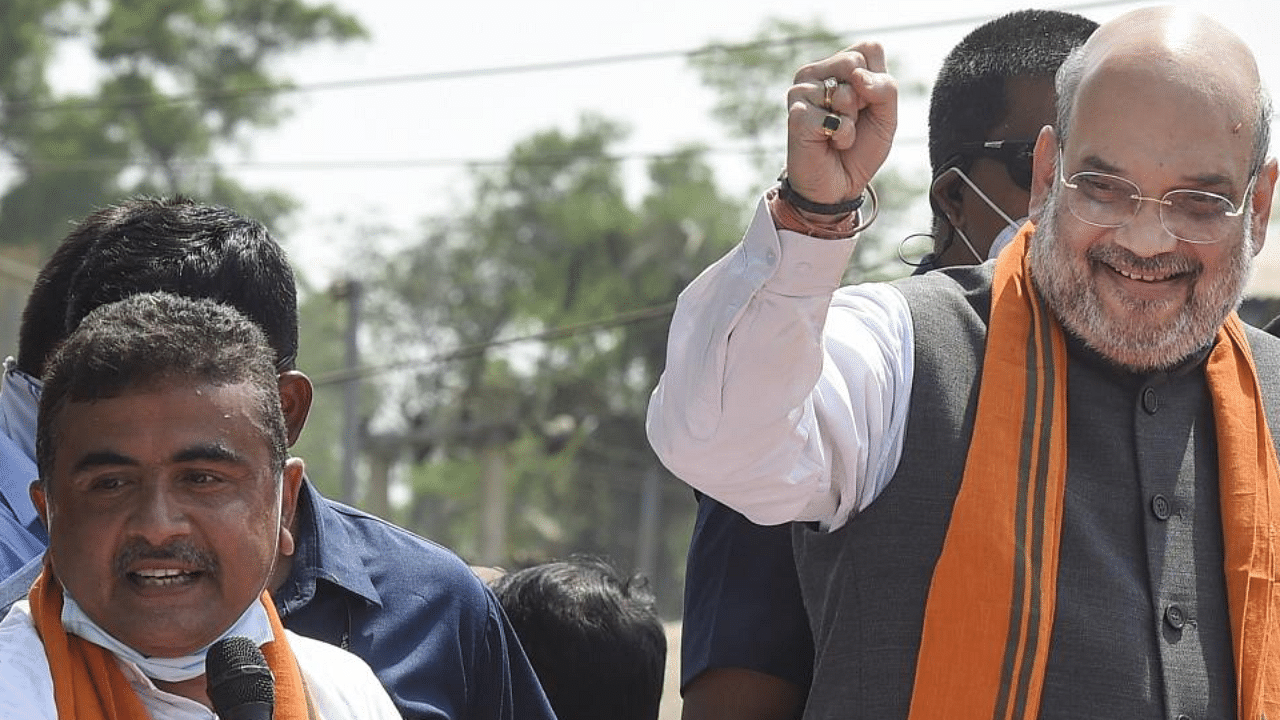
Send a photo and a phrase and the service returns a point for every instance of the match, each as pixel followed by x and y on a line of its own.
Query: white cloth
pixel 342 686
pixel 253 623
pixel 783 397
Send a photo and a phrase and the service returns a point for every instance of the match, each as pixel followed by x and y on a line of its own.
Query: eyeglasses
pixel 1192 216
pixel 1015 155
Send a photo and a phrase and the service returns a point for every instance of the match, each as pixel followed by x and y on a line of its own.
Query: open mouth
pixel 1146 278
pixel 1150 275
pixel 163 578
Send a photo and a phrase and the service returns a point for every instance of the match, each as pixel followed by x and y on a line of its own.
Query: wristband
pixel 788 193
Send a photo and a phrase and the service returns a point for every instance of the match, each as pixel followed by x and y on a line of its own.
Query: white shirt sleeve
pixel 783 397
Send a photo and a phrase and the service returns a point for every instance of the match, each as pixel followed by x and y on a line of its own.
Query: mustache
pixel 1124 259
pixel 181 551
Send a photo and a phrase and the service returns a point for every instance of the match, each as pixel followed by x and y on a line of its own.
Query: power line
pixel 96 164
pixel 522 68
pixel 465 351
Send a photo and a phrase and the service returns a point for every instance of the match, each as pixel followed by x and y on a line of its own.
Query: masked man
pixel 167 491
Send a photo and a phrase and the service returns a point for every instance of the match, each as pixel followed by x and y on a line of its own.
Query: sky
pixel 435 87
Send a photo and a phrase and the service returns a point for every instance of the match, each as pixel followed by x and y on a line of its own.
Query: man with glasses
pixel 1044 487
pixel 746 648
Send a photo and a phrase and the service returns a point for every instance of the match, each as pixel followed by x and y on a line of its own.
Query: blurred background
pixel 490 206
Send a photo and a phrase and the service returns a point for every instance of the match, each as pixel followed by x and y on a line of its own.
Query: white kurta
pixel 785 396
pixel 342 685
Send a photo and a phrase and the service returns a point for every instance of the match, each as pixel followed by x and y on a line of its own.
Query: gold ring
pixel 829 89
pixel 830 124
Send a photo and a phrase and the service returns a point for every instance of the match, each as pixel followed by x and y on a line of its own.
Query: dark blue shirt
pixel 432 631
pixel 742 605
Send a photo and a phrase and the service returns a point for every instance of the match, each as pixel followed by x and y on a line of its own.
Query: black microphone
pixel 240 685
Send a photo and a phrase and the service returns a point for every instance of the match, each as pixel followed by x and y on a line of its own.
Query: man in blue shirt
pixel 432 632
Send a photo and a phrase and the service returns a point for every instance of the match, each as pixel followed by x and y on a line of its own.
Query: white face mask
pixel 254 624
pixel 1006 235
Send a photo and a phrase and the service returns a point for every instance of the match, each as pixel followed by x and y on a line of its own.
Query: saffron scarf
pixel 88 684
pixel 998 568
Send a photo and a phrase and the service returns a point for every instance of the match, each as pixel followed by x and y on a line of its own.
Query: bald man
pixel 1041 488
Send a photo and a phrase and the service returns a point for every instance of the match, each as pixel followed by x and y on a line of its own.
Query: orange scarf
pixel 998 568
pixel 88 684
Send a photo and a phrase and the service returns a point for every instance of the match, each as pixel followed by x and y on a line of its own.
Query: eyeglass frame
pixel 1162 202
pixel 1009 153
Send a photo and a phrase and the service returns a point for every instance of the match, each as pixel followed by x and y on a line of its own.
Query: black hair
pixel 172 245
pixel 594 638
pixel 147 340
pixel 969 95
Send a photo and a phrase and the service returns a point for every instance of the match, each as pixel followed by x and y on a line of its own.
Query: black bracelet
pixel 788 193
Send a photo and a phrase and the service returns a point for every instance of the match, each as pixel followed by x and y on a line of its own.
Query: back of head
pixel 162 245
pixel 968 98
pixel 593 638
pixel 147 340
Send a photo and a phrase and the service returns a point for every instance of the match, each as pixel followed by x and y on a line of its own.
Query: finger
pixel 873 55
pixel 842 65
pixel 875 102
pixel 812 95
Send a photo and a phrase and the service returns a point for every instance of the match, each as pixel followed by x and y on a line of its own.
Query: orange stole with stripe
pixel 89 685
pixel 989 615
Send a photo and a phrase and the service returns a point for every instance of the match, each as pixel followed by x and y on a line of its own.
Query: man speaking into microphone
pixel 166 487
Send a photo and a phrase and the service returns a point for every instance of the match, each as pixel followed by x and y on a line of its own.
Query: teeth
pixel 159 573
pixel 1136 276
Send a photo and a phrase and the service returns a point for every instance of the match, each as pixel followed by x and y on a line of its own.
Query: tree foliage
pixel 172 82
pixel 552 250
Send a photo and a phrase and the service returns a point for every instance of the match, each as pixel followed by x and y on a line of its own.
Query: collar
pixel 324 550
pixel 19 404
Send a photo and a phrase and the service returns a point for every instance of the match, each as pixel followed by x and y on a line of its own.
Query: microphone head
pixel 237 674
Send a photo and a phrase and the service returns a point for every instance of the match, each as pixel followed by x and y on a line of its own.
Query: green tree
pixel 175 81
pixel 552 250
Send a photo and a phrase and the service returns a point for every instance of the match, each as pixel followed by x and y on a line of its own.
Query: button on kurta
pixel 1150 401
pixel 1161 508
pixel 1173 615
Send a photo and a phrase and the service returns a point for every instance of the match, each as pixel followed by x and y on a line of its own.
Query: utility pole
pixel 351 291
pixel 650 526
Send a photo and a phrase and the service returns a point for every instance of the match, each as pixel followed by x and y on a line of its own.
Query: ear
pixel 291 486
pixel 36 490
pixel 1044 167
pixel 948 197
pixel 1264 192
pixel 295 400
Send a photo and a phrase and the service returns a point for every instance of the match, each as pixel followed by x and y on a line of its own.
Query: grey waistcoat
pixel 1141 627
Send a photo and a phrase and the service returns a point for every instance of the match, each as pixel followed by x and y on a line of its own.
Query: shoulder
pixel 16 586
pixel 962 285
pixel 342 684
pixel 1265 346
pixel 399 558
pixel 26 686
